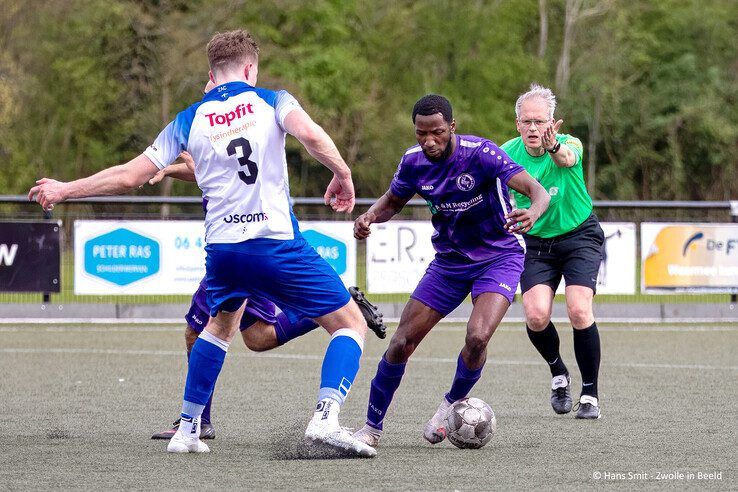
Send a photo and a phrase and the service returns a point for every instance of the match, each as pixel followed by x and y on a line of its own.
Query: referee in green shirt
pixel 566 241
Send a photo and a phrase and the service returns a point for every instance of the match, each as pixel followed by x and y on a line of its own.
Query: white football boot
pixel 369 435
pixel 435 429
pixel 324 429
pixel 187 438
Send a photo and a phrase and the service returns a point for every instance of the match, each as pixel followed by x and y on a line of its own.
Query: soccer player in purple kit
pixel 465 181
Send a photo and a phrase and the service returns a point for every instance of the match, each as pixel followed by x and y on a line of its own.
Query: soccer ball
pixel 470 423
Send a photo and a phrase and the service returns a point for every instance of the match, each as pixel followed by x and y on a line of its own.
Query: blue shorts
pixel 446 284
pixel 257 309
pixel 289 273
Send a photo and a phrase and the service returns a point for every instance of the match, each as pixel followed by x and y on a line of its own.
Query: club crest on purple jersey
pixel 465 181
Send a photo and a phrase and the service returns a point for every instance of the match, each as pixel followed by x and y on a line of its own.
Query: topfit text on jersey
pixel 226 118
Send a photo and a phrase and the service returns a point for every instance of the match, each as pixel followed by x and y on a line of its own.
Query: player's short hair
pixel 226 49
pixel 432 104
pixel 537 92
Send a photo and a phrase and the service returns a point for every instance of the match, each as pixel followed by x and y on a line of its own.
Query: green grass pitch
pixel 80 404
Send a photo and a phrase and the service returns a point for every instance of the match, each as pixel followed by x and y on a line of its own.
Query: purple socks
pixel 384 385
pixel 464 380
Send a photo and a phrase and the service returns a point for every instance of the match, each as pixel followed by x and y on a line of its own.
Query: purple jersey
pixel 467 195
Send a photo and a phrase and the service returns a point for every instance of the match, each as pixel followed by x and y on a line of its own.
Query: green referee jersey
pixel 570 203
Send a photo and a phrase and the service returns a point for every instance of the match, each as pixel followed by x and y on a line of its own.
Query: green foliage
pixel 88 83
pixel 665 81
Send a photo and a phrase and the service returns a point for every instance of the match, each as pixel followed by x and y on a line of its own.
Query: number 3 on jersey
pixel 244 161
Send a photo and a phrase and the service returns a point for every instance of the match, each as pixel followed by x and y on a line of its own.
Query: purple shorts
pixel 446 283
pixel 257 309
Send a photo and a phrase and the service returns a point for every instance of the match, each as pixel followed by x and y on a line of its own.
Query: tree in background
pixel 649 86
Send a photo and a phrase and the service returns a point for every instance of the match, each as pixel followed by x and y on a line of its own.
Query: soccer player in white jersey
pixel 236 137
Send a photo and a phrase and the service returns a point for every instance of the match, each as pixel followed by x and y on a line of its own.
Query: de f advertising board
pixel 689 257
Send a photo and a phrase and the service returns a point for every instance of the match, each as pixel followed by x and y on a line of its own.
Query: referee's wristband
pixel 554 149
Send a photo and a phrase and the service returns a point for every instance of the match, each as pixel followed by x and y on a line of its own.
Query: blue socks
pixel 206 360
pixel 340 365
pixel 205 418
pixel 287 331
pixel 384 385
pixel 209 352
pixel 464 380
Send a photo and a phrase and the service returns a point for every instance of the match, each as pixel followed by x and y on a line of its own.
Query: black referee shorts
pixel 575 255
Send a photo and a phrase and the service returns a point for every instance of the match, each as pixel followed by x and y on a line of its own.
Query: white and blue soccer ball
pixel 470 423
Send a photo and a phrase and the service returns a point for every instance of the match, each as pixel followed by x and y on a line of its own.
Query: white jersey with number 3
pixel 236 137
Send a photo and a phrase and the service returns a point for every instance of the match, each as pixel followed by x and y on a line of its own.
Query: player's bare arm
pixel 184 171
pixel 340 191
pixel 564 156
pixel 111 181
pixel 521 220
pixel 383 210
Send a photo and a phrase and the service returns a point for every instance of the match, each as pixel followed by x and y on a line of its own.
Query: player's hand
pixel 188 160
pixel 158 176
pixel 47 192
pixel 520 221
pixel 340 194
pixel 362 223
pixel 185 159
pixel 548 139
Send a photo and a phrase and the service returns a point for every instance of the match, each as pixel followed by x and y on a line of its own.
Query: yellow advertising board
pixel 694 258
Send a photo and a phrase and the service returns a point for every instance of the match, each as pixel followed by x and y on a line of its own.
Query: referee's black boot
pixel 372 315
pixel 589 408
pixel 561 393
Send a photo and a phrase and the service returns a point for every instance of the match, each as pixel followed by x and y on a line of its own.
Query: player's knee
pixel 479 330
pixel 580 315
pixel 477 341
pixel 401 348
pixel 537 319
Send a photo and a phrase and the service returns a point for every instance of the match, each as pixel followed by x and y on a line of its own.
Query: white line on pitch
pixel 179 353
pixel 134 328
pixel 91 329
pixel 455 320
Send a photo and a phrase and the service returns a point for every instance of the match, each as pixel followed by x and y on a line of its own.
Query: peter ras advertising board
pixel 335 243
pixel 138 257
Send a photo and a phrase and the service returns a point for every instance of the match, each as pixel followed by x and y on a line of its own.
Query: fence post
pixel 47 295
pixel 734 218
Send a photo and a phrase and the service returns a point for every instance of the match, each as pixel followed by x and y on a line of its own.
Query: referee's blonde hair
pixel 537 92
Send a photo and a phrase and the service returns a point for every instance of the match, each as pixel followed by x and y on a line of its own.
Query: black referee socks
pixel 547 344
pixel 587 352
